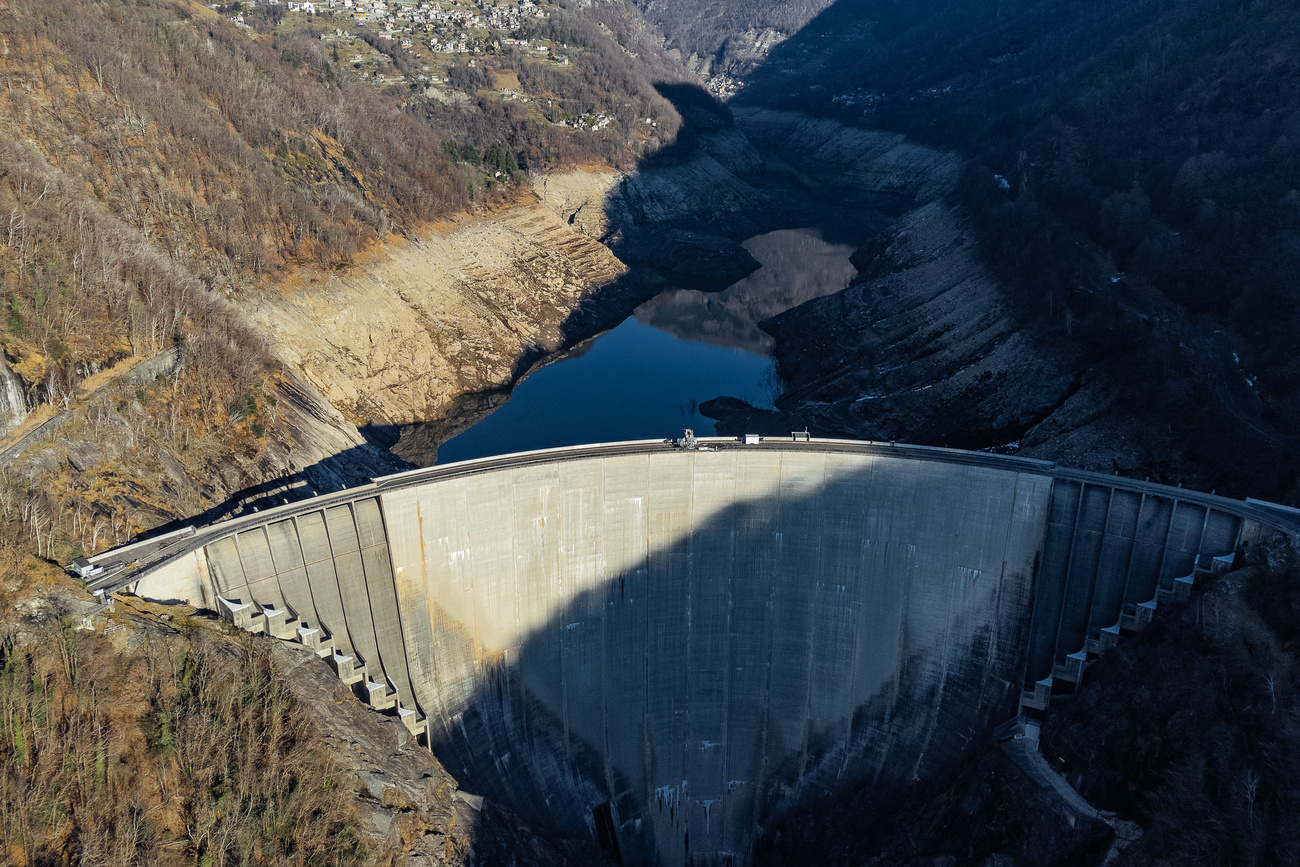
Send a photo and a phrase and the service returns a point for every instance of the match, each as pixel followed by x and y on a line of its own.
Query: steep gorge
pixel 925 346
pixel 408 339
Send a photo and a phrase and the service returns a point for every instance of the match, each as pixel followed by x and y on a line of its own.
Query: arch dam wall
pixel 667 648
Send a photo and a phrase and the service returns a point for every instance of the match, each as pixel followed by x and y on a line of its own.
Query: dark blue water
pixel 635 382
pixel 646 378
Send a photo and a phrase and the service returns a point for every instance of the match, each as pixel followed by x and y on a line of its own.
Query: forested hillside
pixel 157 161
pixel 162 170
pixel 1134 175
pixel 178 788
pixel 715 31
pixel 229 156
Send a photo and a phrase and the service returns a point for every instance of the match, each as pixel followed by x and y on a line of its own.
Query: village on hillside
pixel 438 27
pixel 443 26
pixel 412 43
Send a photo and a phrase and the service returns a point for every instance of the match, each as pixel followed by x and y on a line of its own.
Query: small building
pixel 85 569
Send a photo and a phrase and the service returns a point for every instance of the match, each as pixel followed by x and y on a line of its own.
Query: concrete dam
pixel 667 648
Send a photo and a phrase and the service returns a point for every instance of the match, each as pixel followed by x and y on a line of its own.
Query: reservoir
pixel 646 378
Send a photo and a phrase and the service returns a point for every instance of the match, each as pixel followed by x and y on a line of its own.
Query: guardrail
pixel 122 566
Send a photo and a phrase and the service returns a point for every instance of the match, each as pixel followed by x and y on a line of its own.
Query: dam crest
pixel 667 648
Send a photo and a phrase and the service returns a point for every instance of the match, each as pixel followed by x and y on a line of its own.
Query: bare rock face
pixel 924 347
pixel 710 188
pixel 862 159
pixel 434 329
pixel 734 152
pixel 676 222
pixel 396 339
pixel 745 51
pixel 578 197
pixel 413 810
pixel 698 192
pixel 322 447
pixel 13 404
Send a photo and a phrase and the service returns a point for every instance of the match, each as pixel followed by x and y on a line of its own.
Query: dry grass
pixel 187 750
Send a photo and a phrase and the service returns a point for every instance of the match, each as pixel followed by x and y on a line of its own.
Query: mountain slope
pixel 164 173
pixel 1130 180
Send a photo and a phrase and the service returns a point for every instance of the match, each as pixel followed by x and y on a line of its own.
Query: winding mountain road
pixel 164 362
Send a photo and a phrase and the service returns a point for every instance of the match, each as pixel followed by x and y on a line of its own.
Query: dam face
pixel 667 649
pixel 696 640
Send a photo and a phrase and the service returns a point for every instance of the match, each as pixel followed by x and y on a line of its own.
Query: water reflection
pixel 646 378
pixel 798 265
pixel 635 382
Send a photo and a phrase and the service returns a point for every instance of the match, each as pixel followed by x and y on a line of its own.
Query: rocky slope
pixel 395 339
pixel 925 347
pixel 578 197
pixel 717 37
pixel 921 347
pixel 412 810
pixel 708 188
pixel 294 744
pixel 926 344
pixel 849 160
pixel 429 332
pixel 676 222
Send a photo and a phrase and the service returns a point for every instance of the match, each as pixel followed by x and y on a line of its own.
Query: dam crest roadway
pixel 667 649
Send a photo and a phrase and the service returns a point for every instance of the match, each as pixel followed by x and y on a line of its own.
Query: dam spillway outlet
pixel 668 649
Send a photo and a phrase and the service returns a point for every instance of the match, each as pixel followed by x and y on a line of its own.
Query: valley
pixel 248 257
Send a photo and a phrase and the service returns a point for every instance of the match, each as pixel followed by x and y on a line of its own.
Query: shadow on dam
pixel 782 650
pixel 670 650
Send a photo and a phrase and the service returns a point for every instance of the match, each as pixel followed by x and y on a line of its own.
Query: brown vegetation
pixel 189 750
pixel 155 162
pixel 227 152
pixel 82 290
pixel 1193 728
pixel 151 155
pixel 1132 180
